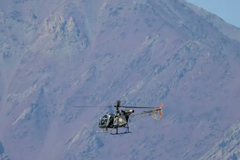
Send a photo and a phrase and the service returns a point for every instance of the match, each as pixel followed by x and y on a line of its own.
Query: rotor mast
pixel 117 106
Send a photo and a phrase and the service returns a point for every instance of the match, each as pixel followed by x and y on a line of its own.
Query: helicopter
pixel 121 118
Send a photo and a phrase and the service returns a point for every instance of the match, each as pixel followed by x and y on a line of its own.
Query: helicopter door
pixel 120 121
pixel 110 120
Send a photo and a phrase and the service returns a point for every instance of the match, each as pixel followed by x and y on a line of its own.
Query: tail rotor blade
pixel 161 114
pixel 161 105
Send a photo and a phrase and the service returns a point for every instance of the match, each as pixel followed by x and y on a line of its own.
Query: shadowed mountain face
pixel 59 53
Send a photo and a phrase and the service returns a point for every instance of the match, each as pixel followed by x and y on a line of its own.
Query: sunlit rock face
pixel 57 54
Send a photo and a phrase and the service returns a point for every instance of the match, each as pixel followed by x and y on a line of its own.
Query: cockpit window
pixel 103 120
pixel 105 117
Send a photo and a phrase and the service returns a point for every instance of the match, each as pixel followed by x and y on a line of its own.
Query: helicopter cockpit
pixel 106 121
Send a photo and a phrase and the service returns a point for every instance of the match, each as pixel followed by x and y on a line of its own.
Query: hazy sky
pixel 228 10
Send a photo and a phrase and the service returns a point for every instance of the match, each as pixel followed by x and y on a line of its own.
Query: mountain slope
pixel 227 147
pixel 63 53
pixel 225 28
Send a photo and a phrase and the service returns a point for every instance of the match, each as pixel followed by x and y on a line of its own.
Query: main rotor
pixel 118 105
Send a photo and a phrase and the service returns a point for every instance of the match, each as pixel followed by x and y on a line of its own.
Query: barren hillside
pixel 56 54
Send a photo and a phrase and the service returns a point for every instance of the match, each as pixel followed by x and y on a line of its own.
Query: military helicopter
pixel 121 118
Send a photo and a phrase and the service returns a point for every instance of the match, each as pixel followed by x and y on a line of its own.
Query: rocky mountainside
pixel 228 147
pixel 219 24
pixel 56 54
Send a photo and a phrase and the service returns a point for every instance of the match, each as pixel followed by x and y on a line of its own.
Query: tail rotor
pixel 158 110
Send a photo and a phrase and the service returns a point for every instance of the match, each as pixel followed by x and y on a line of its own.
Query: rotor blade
pixel 89 106
pixel 144 107
pixel 161 114
pixel 136 107
pixel 161 105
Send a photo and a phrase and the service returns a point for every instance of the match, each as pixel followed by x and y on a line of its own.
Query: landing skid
pixel 116 133
pixel 113 133
pixel 126 132
pixel 120 133
pixel 104 131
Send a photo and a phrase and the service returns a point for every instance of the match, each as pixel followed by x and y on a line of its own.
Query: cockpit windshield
pixel 105 116
pixel 106 121
pixel 103 120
